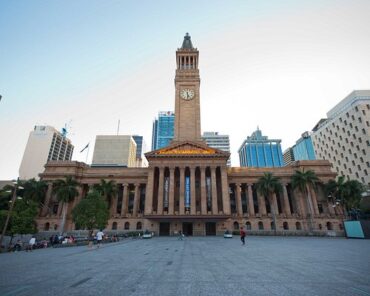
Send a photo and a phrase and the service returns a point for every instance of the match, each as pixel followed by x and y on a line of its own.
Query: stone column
pixel 45 209
pixel 203 195
pixel 214 191
pixel 60 208
pixel 113 206
pixel 192 192
pixel 250 200
pixel 261 205
pixel 238 198
pixel 149 192
pixel 225 192
pixel 314 201
pixel 78 197
pixel 299 201
pixel 275 204
pixel 136 199
pixel 171 201
pixel 286 209
pixel 182 191
pixel 160 192
pixel 124 206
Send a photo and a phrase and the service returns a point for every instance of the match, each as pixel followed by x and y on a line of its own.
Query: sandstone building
pixel 188 186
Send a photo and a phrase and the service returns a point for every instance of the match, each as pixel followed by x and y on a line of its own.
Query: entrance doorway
pixel 210 228
pixel 187 228
pixel 164 229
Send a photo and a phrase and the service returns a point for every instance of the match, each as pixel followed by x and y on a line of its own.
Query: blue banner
pixel 187 192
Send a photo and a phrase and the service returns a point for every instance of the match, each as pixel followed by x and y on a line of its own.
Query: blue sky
pixel 91 63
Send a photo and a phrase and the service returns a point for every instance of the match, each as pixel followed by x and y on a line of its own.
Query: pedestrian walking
pixel 31 243
pixel 242 235
pixel 99 237
pixel 181 235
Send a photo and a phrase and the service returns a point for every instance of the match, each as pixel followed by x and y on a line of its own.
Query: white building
pixel 44 143
pixel 214 140
pixel 344 137
pixel 116 150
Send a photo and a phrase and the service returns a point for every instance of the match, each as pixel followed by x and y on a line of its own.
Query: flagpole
pixel 87 154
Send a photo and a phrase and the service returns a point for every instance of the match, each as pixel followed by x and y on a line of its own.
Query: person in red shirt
pixel 242 235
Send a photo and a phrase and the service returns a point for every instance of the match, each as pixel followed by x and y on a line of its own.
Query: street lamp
pixel 12 202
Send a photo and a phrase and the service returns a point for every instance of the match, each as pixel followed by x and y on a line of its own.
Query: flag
pixel 85 148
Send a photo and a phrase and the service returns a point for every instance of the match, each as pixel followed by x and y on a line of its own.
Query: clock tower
pixel 187 103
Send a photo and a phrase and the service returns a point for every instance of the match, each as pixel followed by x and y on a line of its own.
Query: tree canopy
pixel 92 212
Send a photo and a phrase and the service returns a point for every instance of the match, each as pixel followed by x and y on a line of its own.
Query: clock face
pixel 187 94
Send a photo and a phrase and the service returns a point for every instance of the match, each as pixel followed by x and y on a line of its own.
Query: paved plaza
pixel 196 266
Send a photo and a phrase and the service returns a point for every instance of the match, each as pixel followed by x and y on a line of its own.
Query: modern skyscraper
pixel 215 140
pixel 303 149
pixel 114 151
pixel 45 143
pixel 163 129
pixel 344 137
pixel 140 150
pixel 288 156
pixel 259 151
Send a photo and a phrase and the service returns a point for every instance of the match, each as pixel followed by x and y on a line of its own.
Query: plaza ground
pixel 196 266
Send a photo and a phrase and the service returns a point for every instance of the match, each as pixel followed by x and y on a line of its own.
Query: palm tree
pixel 268 185
pixel 35 190
pixel 108 190
pixel 303 181
pixel 348 193
pixel 65 191
pixel 335 190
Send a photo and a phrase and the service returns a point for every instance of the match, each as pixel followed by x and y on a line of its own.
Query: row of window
pixel 298 226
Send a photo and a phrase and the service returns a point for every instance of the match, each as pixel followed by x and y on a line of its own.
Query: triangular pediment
pixel 187 149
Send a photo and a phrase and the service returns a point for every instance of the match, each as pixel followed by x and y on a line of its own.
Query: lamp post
pixel 14 197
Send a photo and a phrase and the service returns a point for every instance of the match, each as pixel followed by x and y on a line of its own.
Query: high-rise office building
pixel 303 149
pixel 163 129
pixel 344 137
pixel 140 150
pixel 288 156
pixel 44 144
pixel 116 150
pixel 259 151
pixel 215 140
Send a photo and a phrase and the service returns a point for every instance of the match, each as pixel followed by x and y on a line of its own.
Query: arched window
pixel 272 225
pixel 248 225
pixel 138 226
pixel 55 226
pixel 298 226
pixel 329 226
pixel 320 226
pixel 285 226
pixel 260 225
pixel 236 225
pixel 114 226
pixel 340 226
pixel 127 225
pixel 47 226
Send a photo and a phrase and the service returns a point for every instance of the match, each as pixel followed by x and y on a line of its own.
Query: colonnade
pixel 124 210
pixel 194 190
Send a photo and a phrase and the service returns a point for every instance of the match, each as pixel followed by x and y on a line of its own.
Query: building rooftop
pixel 186 44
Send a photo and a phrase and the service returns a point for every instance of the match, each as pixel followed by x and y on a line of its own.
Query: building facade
pixel 344 137
pixel 259 151
pixel 188 186
pixel 115 150
pixel 288 156
pixel 163 129
pixel 140 150
pixel 303 149
pixel 44 144
pixel 215 140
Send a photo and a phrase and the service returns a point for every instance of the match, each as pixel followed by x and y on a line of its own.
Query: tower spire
pixel 186 44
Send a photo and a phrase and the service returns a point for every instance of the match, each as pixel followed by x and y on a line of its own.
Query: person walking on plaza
pixel 99 237
pixel 31 243
pixel 242 235
pixel 181 235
